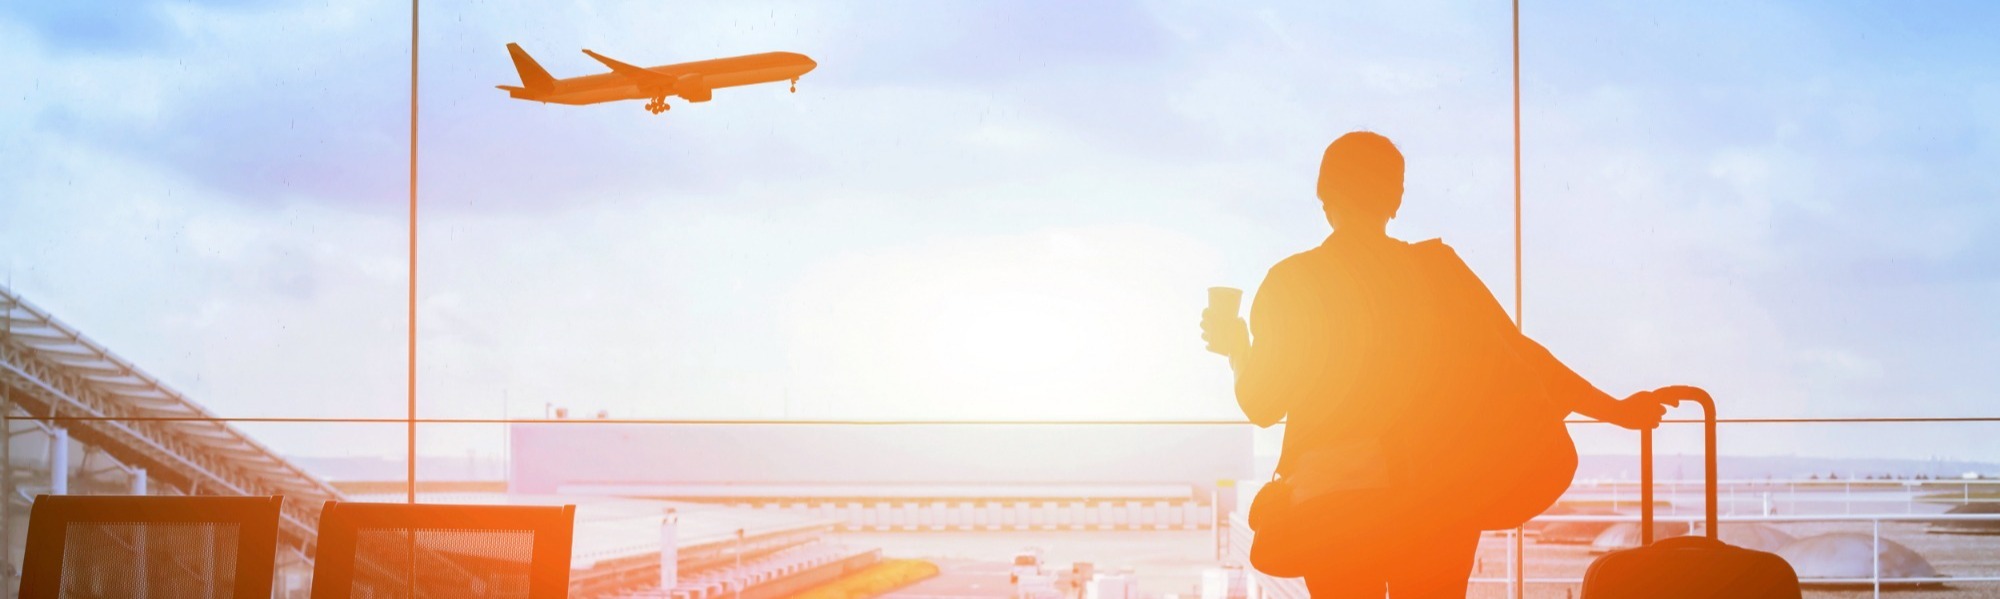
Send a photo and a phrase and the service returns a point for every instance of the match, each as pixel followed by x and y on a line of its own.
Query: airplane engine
pixel 692 88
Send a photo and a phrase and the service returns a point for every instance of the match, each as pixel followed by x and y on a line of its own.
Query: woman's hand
pixel 1226 334
pixel 1639 411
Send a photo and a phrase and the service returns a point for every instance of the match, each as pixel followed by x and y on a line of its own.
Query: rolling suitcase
pixel 1687 567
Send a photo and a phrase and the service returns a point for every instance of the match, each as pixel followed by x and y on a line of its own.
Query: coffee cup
pixel 1225 300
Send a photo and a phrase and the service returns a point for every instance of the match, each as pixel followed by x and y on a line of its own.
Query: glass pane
pixel 1004 211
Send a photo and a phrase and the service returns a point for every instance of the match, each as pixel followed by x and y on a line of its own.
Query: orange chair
pixel 147 545
pixel 430 550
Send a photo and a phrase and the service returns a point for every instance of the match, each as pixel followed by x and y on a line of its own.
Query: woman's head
pixel 1361 180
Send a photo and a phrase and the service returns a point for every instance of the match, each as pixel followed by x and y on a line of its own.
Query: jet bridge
pixel 48 369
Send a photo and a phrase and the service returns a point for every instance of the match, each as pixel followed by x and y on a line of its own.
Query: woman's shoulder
pixel 1435 248
pixel 1432 244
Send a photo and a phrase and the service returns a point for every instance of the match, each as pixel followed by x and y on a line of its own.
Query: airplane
pixel 692 81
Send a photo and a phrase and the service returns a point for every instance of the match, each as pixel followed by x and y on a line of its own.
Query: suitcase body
pixel 1691 568
pixel 1687 567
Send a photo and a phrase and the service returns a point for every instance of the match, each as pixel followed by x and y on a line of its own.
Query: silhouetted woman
pixel 1407 394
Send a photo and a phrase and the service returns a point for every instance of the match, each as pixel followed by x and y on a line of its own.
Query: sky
pixel 995 210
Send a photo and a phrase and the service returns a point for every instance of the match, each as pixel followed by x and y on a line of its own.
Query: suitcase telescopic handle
pixel 1673 396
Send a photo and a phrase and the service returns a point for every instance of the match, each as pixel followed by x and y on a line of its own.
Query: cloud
pixel 1060 323
pixel 1791 227
pixel 116 26
pixel 1757 199
pixel 104 25
pixel 265 105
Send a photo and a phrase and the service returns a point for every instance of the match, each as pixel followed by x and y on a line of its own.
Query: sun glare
pixel 1045 325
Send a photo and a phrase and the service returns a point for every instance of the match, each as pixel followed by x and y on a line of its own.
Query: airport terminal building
pixel 904 477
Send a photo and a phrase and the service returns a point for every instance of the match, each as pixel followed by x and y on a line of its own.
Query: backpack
pixel 1487 444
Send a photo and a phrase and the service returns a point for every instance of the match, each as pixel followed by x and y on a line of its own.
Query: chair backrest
pixel 432 550
pixel 146 545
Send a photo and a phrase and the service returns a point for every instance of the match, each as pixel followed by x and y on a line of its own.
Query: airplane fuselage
pixel 713 74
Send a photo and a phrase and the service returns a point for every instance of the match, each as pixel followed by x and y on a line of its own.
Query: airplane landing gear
pixel 795 85
pixel 658 105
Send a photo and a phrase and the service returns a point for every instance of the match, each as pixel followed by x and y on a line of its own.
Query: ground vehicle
pixel 1028 562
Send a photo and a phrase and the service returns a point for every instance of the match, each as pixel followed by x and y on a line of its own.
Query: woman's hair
pixel 1362 174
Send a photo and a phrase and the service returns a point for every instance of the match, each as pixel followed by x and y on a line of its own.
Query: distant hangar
pixel 904 477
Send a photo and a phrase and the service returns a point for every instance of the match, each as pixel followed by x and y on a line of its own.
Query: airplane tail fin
pixel 533 76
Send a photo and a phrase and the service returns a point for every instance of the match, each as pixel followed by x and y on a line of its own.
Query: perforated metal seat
pixel 158 547
pixel 395 550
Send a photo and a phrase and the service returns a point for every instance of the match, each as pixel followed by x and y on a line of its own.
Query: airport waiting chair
pixel 432 550
pixel 150 546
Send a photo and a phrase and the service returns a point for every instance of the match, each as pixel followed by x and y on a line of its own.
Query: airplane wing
pixel 638 74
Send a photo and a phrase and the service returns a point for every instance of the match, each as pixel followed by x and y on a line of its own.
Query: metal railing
pixel 1516 577
pixel 1795 493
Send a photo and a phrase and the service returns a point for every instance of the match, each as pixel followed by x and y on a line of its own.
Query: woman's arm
pixel 1639 411
pixel 1268 354
pixel 1561 382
